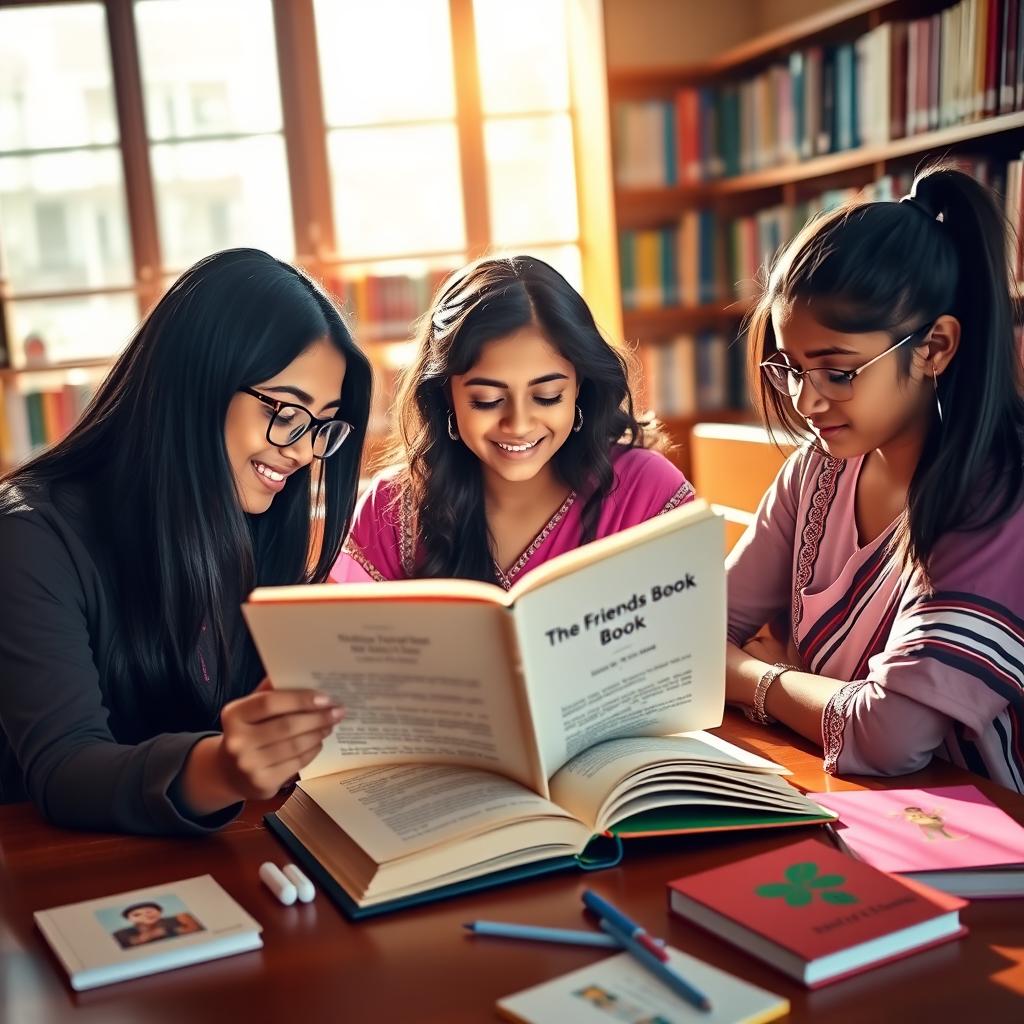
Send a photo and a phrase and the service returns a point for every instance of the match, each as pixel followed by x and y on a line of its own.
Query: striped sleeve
pixel 951 679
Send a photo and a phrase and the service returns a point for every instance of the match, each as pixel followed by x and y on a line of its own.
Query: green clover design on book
pixel 802 882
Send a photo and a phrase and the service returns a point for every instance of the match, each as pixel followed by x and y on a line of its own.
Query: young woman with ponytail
pixel 887 556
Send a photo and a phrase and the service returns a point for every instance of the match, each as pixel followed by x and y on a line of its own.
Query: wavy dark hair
pixel 150 447
pixel 486 300
pixel 892 267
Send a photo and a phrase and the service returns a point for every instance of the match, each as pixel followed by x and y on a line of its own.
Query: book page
pixel 593 778
pixel 630 645
pixel 397 811
pixel 421 681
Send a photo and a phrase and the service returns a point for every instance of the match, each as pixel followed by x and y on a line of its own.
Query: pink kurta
pixel 930 673
pixel 383 543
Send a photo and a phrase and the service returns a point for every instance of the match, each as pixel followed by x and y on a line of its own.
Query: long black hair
pixel 480 303
pixel 151 448
pixel 892 267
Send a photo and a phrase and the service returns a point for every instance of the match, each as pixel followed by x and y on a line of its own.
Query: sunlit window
pixel 213 115
pixel 63 220
pixel 523 60
pixel 389 103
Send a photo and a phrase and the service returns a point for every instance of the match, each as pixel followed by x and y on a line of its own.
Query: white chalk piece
pixel 303 886
pixel 270 875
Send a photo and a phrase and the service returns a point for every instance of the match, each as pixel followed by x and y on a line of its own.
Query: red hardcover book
pixel 816 914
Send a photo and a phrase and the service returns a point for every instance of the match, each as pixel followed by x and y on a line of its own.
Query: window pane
pixel 63 223
pixel 523 55
pixel 71 329
pixel 390 60
pixel 209 67
pixel 215 195
pixel 397 190
pixel 55 79
pixel 531 180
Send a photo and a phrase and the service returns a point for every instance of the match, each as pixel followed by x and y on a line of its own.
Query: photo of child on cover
pixel 137 924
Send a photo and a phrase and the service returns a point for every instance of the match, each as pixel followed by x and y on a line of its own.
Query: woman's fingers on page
pixel 264 704
pixel 282 727
pixel 278 756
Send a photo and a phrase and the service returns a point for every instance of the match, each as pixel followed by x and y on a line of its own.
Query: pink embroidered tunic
pixel 383 543
pixel 938 673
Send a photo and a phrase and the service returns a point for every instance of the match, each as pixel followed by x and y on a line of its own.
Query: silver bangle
pixel 757 712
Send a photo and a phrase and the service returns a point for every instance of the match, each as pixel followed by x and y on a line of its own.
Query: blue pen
pixel 665 973
pixel 507 930
pixel 605 910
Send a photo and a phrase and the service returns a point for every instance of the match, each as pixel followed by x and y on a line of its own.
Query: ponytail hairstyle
pixel 482 302
pixel 893 267
pixel 150 448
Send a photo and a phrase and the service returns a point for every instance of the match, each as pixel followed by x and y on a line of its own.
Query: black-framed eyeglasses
pixel 833 385
pixel 290 422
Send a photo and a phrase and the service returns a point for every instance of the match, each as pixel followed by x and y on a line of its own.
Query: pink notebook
pixel 953 837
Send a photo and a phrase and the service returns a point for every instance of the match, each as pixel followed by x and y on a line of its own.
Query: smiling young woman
pixel 517 438
pixel 126 675
pixel 886 554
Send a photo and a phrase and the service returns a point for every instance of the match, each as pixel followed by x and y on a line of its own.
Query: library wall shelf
pixel 642 202
pixel 853 16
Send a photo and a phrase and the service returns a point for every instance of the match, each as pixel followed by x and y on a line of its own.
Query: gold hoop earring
pixel 452 432
pixel 578 425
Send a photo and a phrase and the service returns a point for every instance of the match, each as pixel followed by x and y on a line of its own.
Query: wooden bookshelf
pixel 996 138
pixel 853 17
pixel 868 158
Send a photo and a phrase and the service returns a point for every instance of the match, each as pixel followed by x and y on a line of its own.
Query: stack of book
pixel 687 373
pixel 385 304
pixel 37 415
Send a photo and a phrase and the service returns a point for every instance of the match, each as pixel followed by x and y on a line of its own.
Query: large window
pixel 65 257
pixel 380 144
pixel 213 120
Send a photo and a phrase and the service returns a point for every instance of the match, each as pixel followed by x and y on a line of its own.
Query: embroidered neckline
pixel 507 578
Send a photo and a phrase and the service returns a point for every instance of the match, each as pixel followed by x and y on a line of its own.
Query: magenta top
pixel 383 543
pixel 937 672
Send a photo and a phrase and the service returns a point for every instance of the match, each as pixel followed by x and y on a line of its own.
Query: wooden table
pixel 418 965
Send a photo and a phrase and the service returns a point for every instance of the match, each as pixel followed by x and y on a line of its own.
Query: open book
pixel 486 731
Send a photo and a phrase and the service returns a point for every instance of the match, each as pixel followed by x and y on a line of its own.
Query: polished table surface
pixel 419 965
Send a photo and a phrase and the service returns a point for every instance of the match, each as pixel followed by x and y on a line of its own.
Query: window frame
pixel 305 131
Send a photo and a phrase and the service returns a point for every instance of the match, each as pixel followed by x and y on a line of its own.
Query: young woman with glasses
pixel 887 554
pixel 517 439
pixel 129 696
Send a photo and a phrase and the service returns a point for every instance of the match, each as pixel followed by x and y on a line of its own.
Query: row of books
pixel 899 79
pixel 707 259
pixel 691 373
pixel 386 304
pixel 32 418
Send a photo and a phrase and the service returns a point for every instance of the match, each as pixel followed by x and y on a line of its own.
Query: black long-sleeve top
pixel 85 746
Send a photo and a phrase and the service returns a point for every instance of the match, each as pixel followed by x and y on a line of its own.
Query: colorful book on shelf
pixel 491 733
pixel 159 928
pixel 618 988
pixel 952 838
pixel 816 914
